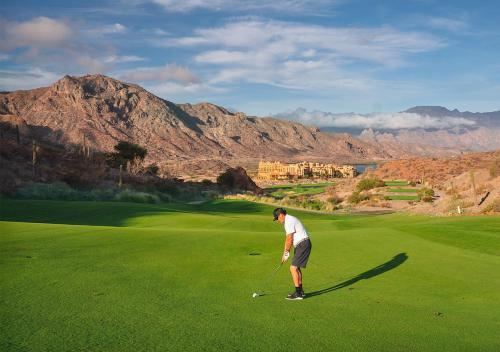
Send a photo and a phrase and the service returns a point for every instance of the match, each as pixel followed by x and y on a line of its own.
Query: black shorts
pixel 301 254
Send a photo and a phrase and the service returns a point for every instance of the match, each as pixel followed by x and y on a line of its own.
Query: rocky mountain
pixel 99 111
pixel 421 130
pixel 476 132
pixel 482 119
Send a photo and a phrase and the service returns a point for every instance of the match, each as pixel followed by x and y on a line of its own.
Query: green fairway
pixel 402 197
pixel 97 276
pixel 280 191
pixel 403 190
pixel 396 183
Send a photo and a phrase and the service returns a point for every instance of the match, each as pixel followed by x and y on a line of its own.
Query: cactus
pixel 120 176
pixel 84 146
pixel 34 156
pixel 473 182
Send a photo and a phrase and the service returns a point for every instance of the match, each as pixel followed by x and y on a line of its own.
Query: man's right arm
pixel 288 245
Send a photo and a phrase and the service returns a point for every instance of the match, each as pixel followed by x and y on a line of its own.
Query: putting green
pixel 96 276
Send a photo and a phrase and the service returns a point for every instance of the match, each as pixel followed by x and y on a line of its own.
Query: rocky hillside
pixel 479 134
pixel 102 111
pixel 436 171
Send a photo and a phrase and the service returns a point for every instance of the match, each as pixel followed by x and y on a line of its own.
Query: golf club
pixel 266 281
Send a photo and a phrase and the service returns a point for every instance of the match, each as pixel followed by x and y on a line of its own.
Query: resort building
pixel 275 170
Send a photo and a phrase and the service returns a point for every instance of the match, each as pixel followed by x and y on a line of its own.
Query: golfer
pixel 297 235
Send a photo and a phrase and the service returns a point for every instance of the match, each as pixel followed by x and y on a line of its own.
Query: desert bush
pixel 495 168
pixel 334 199
pixel 226 179
pixel 466 203
pixel 369 183
pixel 206 182
pixel 426 194
pixel 331 190
pixel 151 169
pixel 493 206
pixel 213 195
pixel 313 204
pixel 356 198
pixel 48 191
pixel 102 194
pixel 485 187
pixel 136 197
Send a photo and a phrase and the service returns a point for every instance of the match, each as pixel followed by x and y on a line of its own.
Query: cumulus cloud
pixel 300 56
pixel 39 32
pixel 377 121
pixel 169 72
pixel 59 45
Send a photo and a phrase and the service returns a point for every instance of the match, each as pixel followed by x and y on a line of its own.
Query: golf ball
pixel 254 295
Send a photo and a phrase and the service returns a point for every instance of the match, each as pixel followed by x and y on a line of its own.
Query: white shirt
pixel 295 227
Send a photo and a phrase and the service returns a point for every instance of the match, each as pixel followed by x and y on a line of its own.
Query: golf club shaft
pixel 266 280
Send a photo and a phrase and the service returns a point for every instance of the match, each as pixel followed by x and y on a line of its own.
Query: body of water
pixel 360 168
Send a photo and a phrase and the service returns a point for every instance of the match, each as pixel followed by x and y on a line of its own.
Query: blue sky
pixel 264 57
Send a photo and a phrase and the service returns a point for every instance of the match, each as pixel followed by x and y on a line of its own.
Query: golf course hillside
pixel 112 276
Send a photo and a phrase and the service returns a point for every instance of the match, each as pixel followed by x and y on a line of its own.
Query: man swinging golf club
pixel 297 235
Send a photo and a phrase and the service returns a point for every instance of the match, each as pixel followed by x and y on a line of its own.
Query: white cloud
pixel 123 59
pixel 243 5
pixel 175 89
pixel 116 28
pixel 160 32
pixel 59 45
pixel 300 56
pixel 449 24
pixel 31 78
pixel 169 72
pixel 39 32
pixel 377 121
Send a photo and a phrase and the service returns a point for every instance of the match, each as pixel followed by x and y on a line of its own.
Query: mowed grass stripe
pixel 151 277
pixel 403 190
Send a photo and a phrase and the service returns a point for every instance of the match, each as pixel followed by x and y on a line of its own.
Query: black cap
pixel 277 212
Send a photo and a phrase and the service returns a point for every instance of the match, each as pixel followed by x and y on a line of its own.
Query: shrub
pixel 369 183
pixel 426 194
pixel 50 191
pixel 152 169
pixel 102 193
pixel 493 206
pixel 357 197
pixel 212 195
pixel 331 190
pixel 206 182
pixel 226 179
pixel 136 197
pixel 495 168
pixel 334 199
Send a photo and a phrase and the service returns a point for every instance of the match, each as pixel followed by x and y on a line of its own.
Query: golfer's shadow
pixel 396 261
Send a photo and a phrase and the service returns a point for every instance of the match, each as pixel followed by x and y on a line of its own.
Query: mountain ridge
pixel 103 110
